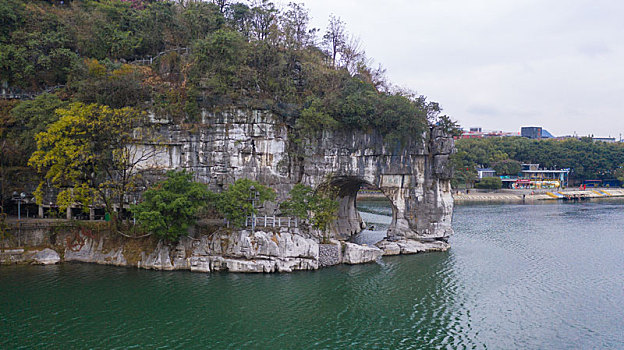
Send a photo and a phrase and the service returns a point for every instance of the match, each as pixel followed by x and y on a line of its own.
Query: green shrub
pixel 169 208
pixel 319 206
pixel 490 183
pixel 235 202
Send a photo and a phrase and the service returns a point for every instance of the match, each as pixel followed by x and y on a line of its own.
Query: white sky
pixel 499 64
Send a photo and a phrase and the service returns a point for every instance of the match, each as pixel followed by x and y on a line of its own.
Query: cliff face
pixel 255 144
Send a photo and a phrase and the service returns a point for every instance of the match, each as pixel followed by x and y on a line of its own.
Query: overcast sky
pixel 499 64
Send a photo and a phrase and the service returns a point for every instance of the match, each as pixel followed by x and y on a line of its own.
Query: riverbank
pixel 519 196
pixel 206 249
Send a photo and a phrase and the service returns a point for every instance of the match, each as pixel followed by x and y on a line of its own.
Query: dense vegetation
pixel 253 55
pixel 205 54
pixel 585 158
pixel 173 205
pixel 318 206
pixel 170 208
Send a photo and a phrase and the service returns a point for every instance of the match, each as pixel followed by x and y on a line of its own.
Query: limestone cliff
pixel 235 144
pixel 256 144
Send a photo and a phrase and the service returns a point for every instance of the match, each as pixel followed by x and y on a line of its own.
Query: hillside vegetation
pixel 212 54
pixel 77 77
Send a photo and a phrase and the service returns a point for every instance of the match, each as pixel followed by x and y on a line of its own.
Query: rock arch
pixel 348 222
pixel 415 178
pixel 257 144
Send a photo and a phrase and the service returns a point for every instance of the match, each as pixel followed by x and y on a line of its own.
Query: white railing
pixel 271 221
pixel 150 60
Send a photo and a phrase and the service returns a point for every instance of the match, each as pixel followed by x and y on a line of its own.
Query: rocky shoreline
pixel 280 250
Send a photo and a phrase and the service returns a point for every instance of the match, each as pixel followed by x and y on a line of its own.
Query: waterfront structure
pixel 532 177
pixel 544 178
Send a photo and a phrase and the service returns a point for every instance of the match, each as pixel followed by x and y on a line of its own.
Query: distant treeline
pixel 585 158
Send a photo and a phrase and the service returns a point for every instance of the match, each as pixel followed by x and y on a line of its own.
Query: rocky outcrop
pixel 281 250
pixel 408 246
pixel 47 257
pixel 359 254
pixel 90 249
pixel 389 248
pixel 261 251
pixel 236 143
pixel 159 259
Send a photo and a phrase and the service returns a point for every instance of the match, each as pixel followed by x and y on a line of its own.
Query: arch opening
pixel 377 213
pixel 377 209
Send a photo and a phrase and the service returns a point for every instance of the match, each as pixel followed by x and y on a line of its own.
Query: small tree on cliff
pixel 318 206
pixel 170 208
pixel 235 203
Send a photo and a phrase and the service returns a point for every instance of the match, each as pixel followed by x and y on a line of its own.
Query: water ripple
pixel 517 276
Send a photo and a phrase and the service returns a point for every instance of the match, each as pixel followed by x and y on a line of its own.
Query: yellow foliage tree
pixel 90 155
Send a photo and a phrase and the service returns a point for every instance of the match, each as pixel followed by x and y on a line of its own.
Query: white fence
pixel 271 221
pixel 150 60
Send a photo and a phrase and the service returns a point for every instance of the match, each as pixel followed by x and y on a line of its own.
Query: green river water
pixel 546 276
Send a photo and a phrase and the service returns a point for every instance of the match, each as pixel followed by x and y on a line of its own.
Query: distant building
pixel 471 135
pixel 478 133
pixel 604 139
pixel 535 133
pixel 531 132
pixel 485 172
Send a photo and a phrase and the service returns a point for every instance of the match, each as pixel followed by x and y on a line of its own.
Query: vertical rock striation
pixel 254 144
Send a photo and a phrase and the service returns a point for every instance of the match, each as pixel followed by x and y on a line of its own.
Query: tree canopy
pixel 585 158
pixel 88 155
pixel 248 54
pixel 169 208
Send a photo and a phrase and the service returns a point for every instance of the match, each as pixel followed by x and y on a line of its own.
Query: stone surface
pixel 409 246
pixel 255 144
pixel 87 249
pixel 330 254
pixel 389 248
pixel 359 254
pixel 47 257
pixel 199 264
pixel 158 259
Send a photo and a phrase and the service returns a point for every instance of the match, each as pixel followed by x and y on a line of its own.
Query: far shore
pixel 528 195
pixel 516 195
